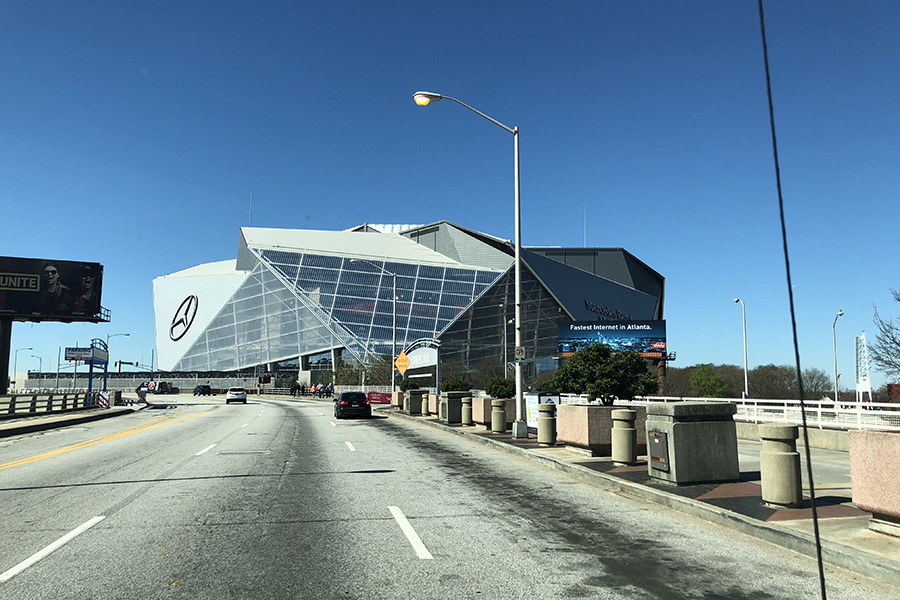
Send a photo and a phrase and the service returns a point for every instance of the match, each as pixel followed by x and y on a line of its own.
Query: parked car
pixel 352 404
pixel 203 390
pixel 236 394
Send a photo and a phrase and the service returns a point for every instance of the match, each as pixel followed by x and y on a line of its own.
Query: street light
pixel 16 365
pixel 834 346
pixel 520 427
pixel 744 314
pixel 112 335
pixel 356 261
pixel 40 369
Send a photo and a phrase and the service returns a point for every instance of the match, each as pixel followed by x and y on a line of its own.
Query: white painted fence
pixel 822 414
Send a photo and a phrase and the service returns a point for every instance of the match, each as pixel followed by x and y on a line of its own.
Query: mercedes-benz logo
pixel 184 318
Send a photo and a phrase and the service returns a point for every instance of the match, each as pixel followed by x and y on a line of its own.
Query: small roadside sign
pixel 520 352
pixel 402 363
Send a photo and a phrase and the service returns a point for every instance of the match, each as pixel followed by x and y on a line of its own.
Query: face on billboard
pixel 54 290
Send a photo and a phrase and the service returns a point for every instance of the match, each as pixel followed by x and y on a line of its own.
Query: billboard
pixel 646 337
pixel 33 289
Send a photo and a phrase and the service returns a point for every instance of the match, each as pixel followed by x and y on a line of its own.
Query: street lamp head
pixel 424 98
pixel 736 300
pixel 840 313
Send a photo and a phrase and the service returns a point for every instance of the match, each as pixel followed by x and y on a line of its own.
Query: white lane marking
pixel 349 445
pixel 207 449
pixel 244 425
pixel 333 424
pixel 47 550
pixel 410 533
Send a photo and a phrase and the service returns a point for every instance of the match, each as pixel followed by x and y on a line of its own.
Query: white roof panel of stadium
pixel 351 244
pixel 222 267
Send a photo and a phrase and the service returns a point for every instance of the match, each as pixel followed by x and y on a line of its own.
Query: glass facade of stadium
pixel 294 295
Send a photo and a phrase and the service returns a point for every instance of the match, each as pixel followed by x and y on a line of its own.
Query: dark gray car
pixel 352 404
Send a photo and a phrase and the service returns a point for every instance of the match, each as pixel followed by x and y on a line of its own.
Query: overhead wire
pixel 787 267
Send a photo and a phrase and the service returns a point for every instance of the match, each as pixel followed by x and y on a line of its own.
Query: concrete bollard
pixel 779 465
pixel 624 436
pixel 425 411
pixel 547 424
pixel 466 417
pixel 498 416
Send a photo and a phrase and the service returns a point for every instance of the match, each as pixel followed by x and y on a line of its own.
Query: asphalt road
pixel 280 500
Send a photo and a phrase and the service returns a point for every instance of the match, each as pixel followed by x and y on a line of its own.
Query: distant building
pixel 298 297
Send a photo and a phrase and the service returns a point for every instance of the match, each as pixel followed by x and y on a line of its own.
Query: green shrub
pixel 408 384
pixel 455 385
pixel 500 388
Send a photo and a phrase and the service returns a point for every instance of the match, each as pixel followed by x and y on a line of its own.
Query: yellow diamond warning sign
pixel 402 363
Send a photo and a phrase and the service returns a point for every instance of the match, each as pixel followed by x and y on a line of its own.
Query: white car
pixel 236 394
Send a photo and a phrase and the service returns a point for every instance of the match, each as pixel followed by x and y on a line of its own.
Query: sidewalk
pixel 846 539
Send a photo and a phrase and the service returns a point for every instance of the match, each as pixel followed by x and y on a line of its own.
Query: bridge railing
pixel 821 414
pixel 24 405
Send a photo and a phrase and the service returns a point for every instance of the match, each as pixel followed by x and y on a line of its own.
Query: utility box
pixel 450 408
pixel 414 401
pixel 692 442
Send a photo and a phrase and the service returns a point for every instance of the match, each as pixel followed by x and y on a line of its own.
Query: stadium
pixel 294 301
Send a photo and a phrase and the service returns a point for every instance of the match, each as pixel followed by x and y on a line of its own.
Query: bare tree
pixel 817 384
pixel 885 352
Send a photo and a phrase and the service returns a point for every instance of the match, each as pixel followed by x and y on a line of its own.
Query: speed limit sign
pixel 520 352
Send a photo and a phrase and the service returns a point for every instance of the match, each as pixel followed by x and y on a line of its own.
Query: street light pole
pixel 16 365
pixel 394 325
pixel 834 347
pixel 744 314
pixel 520 426
pixel 40 369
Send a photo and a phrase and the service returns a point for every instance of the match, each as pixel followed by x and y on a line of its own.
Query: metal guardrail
pixel 24 405
pixel 821 414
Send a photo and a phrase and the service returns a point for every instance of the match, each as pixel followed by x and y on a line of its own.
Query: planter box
pixel 481 411
pixel 588 427
pixel 874 473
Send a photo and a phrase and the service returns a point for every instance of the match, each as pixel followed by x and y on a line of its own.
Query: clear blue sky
pixel 131 132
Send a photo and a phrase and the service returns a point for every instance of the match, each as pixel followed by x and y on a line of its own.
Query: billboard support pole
pixel 5 341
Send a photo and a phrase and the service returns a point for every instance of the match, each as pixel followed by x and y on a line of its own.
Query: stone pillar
pixel 425 411
pixel 467 411
pixel 624 437
pixel 498 416
pixel 779 465
pixel 547 424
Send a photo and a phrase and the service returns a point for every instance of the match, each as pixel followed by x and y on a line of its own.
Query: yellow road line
pixel 150 425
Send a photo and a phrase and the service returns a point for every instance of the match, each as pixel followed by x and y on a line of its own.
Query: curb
pixel 833 553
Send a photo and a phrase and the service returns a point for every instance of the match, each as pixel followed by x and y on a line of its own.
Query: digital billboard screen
pixel 646 337
pixel 33 289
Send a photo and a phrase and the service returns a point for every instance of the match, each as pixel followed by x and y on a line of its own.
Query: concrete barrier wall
pixel 826 439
